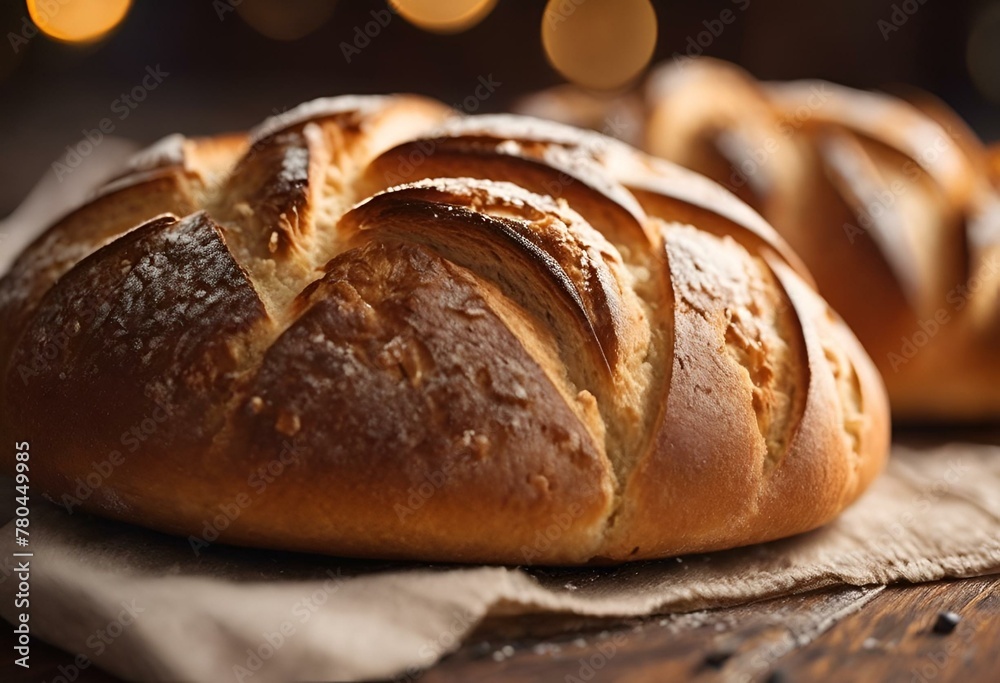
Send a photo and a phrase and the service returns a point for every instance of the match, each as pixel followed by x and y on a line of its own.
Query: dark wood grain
pixel 798 638
pixel 842 634
pixel 894 640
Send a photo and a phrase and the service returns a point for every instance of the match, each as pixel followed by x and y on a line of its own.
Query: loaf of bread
pixel 371 327
pixel 887 200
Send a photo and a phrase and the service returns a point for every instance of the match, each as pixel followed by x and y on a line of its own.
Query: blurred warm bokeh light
pixel 282 20
pixel 77 21
pixel 443 16
pixel 599 44
pixel 983 52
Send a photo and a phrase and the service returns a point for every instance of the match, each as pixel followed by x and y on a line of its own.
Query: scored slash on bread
pixel 444 338
pixel 890 203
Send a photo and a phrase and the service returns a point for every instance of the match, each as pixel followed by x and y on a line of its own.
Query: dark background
pixel 224 75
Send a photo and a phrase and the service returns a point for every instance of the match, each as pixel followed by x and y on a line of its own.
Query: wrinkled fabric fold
pixel 144 606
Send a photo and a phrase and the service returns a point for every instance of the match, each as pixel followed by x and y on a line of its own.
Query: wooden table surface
pixel 882 634
pixel 842 634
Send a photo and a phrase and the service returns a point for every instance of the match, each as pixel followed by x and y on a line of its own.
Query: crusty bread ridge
pixel 889 202
pixel 371 327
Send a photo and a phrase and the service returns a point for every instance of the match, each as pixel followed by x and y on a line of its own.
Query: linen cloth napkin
pixel 143 606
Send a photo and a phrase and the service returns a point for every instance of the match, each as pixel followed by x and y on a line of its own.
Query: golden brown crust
pixel 891 204
pixel 370 328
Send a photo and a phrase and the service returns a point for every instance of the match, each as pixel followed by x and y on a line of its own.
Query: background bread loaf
pixel 371 327
pixel 889 201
